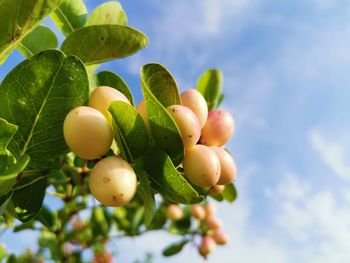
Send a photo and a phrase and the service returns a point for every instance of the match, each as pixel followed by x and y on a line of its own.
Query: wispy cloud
pixel 332 153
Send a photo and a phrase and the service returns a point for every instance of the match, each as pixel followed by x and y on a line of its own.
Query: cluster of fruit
pixel 209 225
pixel 89 134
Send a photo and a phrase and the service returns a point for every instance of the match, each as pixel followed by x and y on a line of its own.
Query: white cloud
pixel 332 153
pixel 319 223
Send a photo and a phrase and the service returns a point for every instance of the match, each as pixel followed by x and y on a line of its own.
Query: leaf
pixel 4 200
pixel 99 43
pixel 36 96
pixel 40 39
pixel 108 13
pixel 146 194
pixel 46 217
pixel 230 193
pixel 167 180
pixel 109 78
pixel 7 131
pixel 132 136
pixel 18 18
pixel 164 129
pixel 161 83
pixel 70 15
pixel 9 176
pixel 174 248
pixel 28 198
pixel 99 222
pixel 210 85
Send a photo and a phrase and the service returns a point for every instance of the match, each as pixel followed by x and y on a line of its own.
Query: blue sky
pixel 286 71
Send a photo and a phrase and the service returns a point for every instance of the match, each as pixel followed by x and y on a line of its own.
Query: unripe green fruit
pixel 174 212
pixel 195 101
pixel 210 209
pixel 113 181
pixel 220 237
pixel 228 166
pixel 197 211
pixel 188 124
pixel 207 246
pixel 201 166
pixel 87 132
pixel 216 190
pixel 142 110
pixel 102 96
pixel 218 129
pixel 213 223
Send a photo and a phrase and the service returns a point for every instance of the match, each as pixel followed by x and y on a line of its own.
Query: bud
pixel 207 246
pixel 220 237
pixel 174 212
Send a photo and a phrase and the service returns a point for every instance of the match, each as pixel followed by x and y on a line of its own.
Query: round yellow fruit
pixel 174 212
pixel 195 101
pixel 87 132
pixel 102 96
pixel 201 166
pixel 142 110
pixel 228 166
pixel 113 181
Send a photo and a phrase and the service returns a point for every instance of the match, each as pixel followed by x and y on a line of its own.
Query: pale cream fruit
pixel 218 129
pixel 213 223
pixel 188 124
pixel 102 96
pixel 201 166
pixel 195 101
pixel 174 212
pixel 206 246
pixel 210 209
pixel 142 110
pixel 197 211
pixel 220 237
pixel 228 166
pixel 87 132
pixel 216 190
pixel 113 181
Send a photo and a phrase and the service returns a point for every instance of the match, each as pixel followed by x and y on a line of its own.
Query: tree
pixel 70 132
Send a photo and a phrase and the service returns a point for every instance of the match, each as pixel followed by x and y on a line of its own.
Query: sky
pixel 286 71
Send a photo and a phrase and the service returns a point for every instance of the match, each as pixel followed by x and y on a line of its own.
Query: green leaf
pixel 36 96
pixel 109 78
pixel 40 39
pixel 132 136
pixel 164 129
pixel 4 200
pixel 161 83
pixel 7 131
pixel 146 194
pixel 167 180
pixel 99 43
pixel 9 176
pixel 70 15
pixel 174 248
pixel 99 223
pixel 18 18
pixel 159 219
pixel 108 13
pixel 210 85
pixel 230 193
pixel 28 197
pixel 46 217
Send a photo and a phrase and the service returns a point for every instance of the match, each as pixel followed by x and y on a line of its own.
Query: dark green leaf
pixel 164 129
pixel 46 217
pixel 161 83
pixel 230 193
pixel 146 194
pixel 28 198
pixel 70 15
pixel 210 85
pixel 109 78
pixel 132 137
pixel 159 219
pixel 174 248
pixel 40 39
pixel 108 13
pixel 9 176
pixel 7 131
pixel 4 200
pixel 100 226
pixel 180 227
pixel 99 43
pixel 167 180
pixel 36 96
pixel 18 18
